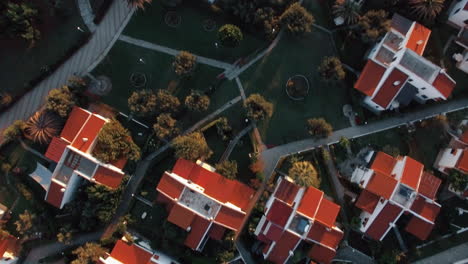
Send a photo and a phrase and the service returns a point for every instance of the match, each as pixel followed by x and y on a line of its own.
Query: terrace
pixel 418 65
pixel 299 224
pixel 393 41
pixel 199 203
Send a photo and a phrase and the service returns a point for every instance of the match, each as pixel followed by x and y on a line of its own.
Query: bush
pixel 297 20
pixel 142 103
pixel 184 63
pixel 191 147
pixel 14 131
pixel 60 101
pixel 228 169
pixel 165 126
pixel 230 35
pixel 318 127
pixel 258 108
pixel 197 101
pixel 373 25
pixel 331 68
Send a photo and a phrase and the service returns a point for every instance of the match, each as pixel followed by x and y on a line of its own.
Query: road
pixel 451 255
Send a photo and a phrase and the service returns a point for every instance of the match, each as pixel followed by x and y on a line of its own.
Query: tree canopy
pixel 373 25
pixel 60 101
pixel 347 9
pixel 426 10
pixel 184 63
pixel 197 101
pixel 114 143
pixel 191 147
pixel 258 108
pixel 14 131
pixel 227 168
pixel 42 127
pixel 458 180
pixel 318 127
pixel 25 223
pixel 331 68
pixel 165 126
pixel 304 174
pixel 230 35
pixel 142 103
pixel 89 253
pixel 166 102
pixel 297 20
pixel 139 3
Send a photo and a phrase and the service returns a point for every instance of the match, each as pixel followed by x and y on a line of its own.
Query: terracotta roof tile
pixel 75 121
pixel 429 185
pixel 56 148
pixel 444 84
pixel 183 168
pixel 170 187
pixel 420 228
pixel 412 173
pixel 8 244
pixel 383 163
pixel 320 234
pixel 89 131
pixel 279 213
pixel 381 185
pixel 310 202
pixel 55 195
pixel 274 232
pixel 425 209
pixel 390 88
pixel 462 163
pixel 382 223
pixel 130 254
pixel 280 252
pixel 321 254
pixel 181 216
pixel 370 78
pixel 230 218
pixel 108 177
pixel 286 191
pixel 327 213
pixel 367 201
pixel 464 137
pixel 197 232
pixel 418 39
pixel 217 232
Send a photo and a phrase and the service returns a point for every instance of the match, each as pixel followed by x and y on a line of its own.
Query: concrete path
pixel 451 255
pixel 241 89
pixel 174 52
pixel 234 141
pixel 87 14
pixel 83 61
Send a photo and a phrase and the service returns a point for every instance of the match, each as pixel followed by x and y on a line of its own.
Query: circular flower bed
pixel 172 19
pixel 138 79
pixel 209 25
pixel 297 87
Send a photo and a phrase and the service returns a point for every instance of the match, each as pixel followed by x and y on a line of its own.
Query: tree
pixel 391 150
pixel 166 102
pixel 184 63
pixel 373 25
pixel 114 143
pixel 60 101
pixel 228 169
pixel 165 126
pixel 21 18
pixel 25 223
pixel 426 10
pixel 102 202
pixel 65 234
pixel 458 180
pixel 224 256
pixel 223 128
pixel 297 20
pixel 3 233
pixel 267 21
pixel 42 127
pixel 230 35
pixel 14 131
pixel 318 127
pixel 304 174
pixel 331 68
pixel 138 3
pixel 197 101
pixel 348 10
pixel 142 103
pixel 191 147
pixel 344 142
pixel 258 108
pixel 89 253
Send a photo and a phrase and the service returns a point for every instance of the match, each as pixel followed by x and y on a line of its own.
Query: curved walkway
pixel 83 61
pixel 87 14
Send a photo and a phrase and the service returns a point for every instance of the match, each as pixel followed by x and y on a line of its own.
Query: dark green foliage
pixel 142 103
pixel 373 25
pixel 458 180
pixel 258 108
pixel 230 35
pixel 165 126
pixel 14 131
pixel 197 101
pixel 191 147
pixel 347 9
pixel 297 20
pixel 331 68
pixel 223 128
pixel 60 101
pixel 114 143
pixel 18 20
pixel 227 169
pixel 318 127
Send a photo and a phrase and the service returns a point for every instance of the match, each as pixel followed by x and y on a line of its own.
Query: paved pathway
pixel 87 14
pixel 83 61
pixel 173 52
pixel 348 253
pixel 234 141
pixel 451 255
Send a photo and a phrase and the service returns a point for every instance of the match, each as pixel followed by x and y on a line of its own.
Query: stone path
pixel 174 52
pixel 87 14
pixel 83 61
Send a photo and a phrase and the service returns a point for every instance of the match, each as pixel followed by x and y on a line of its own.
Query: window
pixel 424 88
pixel 458 10
pixel 423 96
pixel 411 80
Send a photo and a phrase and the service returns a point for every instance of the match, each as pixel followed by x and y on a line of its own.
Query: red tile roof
pixel 89 131
pixel 8 244
pixel 370 78
pixel 280 252
pixel 130 254
pixel 420 228
pixel 381 185
pixel 425 209
pixel 310 202
pixel 197 232
pixel 286 191
pixel 444 84
pixel 279 213
pixel 120 163
pixel 274 232
pixel 464 137
pixel 55 195
pixel 230 218
pixel 183 168
pixel 462 163
pixel 321 254
pixel 75 121
pixel 383 163
pixel 327 213
pixel 181 216
pixel 367 201
pixel 429 185
pixel 108 177
pixel 170 187
pixel 216 232
pixel 320 234
pixel 412 173
pixel 56 148
pixel 418 39
pixel 382 223
pixel 389 90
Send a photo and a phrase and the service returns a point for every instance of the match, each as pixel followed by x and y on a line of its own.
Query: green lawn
pixel 19 65
pixel 190 35
pixel 268 77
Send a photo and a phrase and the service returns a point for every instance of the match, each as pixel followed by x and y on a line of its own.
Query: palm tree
pixel 138 3
pixel 427 9
pixel 304 174
pixel 348 10
pixel 42 126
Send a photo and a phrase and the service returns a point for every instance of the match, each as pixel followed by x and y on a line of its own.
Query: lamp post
pixel 141 61
pixel 80 29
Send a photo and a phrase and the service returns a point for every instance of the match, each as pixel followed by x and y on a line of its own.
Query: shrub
pixel 331 68
pixel 258 108
pixel 184 63
pixel 142 103
pixel 297 20
pixel 60 101
pixel 191 147
pixel 228 169
pixel 373 25
pixel 230 35
pixel 318 127
pixel 165 126
pixel 166 102
pixel 14 131
pixel 197 101
pixel 458 180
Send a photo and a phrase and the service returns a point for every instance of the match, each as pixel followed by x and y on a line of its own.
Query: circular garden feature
pixel 138 79
pixel 297 87
pixel 209 25
pixel 172 19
